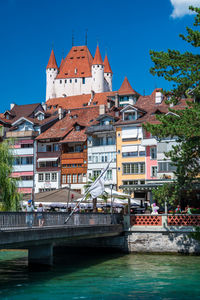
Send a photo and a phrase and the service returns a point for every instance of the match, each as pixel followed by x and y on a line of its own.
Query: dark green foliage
pixel 9 197
pixel 183 69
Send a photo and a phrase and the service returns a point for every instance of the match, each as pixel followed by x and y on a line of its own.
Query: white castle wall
pixel 107 82
pixel 50 77
pixel 98 78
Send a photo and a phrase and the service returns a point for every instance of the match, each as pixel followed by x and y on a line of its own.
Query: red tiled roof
pixel 126 88
pixel 77 63
pixel 107 68
pixel 97 58
pixel 63 128
pixel 75 136
pixel 52 61
pixel 79 101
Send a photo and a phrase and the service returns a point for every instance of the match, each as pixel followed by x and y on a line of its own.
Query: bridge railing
pixel 14 220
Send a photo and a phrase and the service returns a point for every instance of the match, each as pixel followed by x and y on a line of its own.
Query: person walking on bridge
pixel 29 215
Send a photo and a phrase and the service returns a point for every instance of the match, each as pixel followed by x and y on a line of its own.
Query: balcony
pixel 22 168
pixel 48 154
pixel 25 184
pixel 17 134
pixel 149 142
pixel 75 155
pixel 99 128
pixel 22 151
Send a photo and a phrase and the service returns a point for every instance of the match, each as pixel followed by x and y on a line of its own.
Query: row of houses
pixel 65 141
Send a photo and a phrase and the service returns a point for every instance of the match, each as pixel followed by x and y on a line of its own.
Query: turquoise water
pixel 106 276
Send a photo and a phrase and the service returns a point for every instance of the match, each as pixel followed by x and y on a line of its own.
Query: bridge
pixel 17 232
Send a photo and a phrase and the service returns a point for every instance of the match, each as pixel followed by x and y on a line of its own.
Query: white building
pixel 78 74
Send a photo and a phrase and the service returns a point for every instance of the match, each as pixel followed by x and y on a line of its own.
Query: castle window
pixel 75 71
pixel 75 80
pixel 97 66
pixel 83 80
pixel 107 74
pixel 83 56
pixel 60 81
pixel 70 81
pixel 65 80
pixel 81 49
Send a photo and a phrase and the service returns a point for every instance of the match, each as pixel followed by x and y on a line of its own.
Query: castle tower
pixel 97 73
pixel 108 74
pixel 51 73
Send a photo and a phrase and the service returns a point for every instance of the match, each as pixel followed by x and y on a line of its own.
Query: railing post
pixel 164 221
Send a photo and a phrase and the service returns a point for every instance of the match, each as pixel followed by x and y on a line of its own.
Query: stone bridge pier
pixel 40 255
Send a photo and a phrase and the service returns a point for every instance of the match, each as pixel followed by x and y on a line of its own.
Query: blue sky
pixel 126 29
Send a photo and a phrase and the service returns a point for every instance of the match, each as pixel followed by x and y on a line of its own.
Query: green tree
pixel 180 68
pixel 9 197
pixel 183 69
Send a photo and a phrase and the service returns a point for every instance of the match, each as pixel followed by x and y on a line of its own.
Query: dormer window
pixel 130 116
pixel 40 117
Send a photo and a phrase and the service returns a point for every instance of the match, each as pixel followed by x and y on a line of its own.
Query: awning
pixel 141 148
pixel 47 159
pixel 130 148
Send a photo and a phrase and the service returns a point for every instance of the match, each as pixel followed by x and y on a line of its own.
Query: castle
pixel 79 73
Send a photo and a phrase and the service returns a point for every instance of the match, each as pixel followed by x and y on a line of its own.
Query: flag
pixel 95 190
pixel 97 187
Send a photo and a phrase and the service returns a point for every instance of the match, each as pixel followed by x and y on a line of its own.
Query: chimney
pixel 102 109
pixel 60 113
pixel 116 100
pixel 12 105
pixel 44 105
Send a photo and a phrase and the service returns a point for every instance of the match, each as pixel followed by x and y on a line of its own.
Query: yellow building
pixel 130 152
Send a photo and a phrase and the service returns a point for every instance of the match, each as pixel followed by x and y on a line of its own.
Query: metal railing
pixel 23 220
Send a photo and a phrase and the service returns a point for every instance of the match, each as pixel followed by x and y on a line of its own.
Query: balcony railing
pixel 16 134
pixel 99 128
pixel 48 154
pixel 74 155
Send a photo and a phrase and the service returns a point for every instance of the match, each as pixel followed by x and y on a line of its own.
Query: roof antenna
pixel 86 36
pixel 72 38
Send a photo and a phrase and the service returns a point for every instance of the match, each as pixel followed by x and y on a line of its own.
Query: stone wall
pixel 162 242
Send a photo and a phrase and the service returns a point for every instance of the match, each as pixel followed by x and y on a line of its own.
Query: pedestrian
pixel 188 210
pixel 178 209
pixel 29 215
pixel 40 216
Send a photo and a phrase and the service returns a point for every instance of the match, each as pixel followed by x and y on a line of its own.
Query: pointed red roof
pixel 77 63
pixel 107 68
pixel 52 61
pixel 97 58
pixel 126 88
pixel 61 64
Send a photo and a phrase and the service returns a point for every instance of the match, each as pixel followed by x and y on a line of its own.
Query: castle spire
pixel 107 68
pixel 97 58
pixel 52 61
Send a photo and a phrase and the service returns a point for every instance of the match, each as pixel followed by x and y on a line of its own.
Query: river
pixel 102 276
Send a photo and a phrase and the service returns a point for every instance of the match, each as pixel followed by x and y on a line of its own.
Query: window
pixel 129 116
pixel 128 154
pixel 109 175
pixel 166 167
pixel 154 171
pixel 26 145
pixel 96 173
pixel 63 178
pixel 74 178
pixel 48 148
pixel 55 147
pixel 79 178
pixel 60 81
pixel 153 153
pixel 133 168
pixel 69 178
pixel 54 177
pixel 23 160
pixel 40 177
pixel 83 80
pixel 47 176
pixel 75 80
pixel 65 80
pixel 26 178
pixel 70 80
